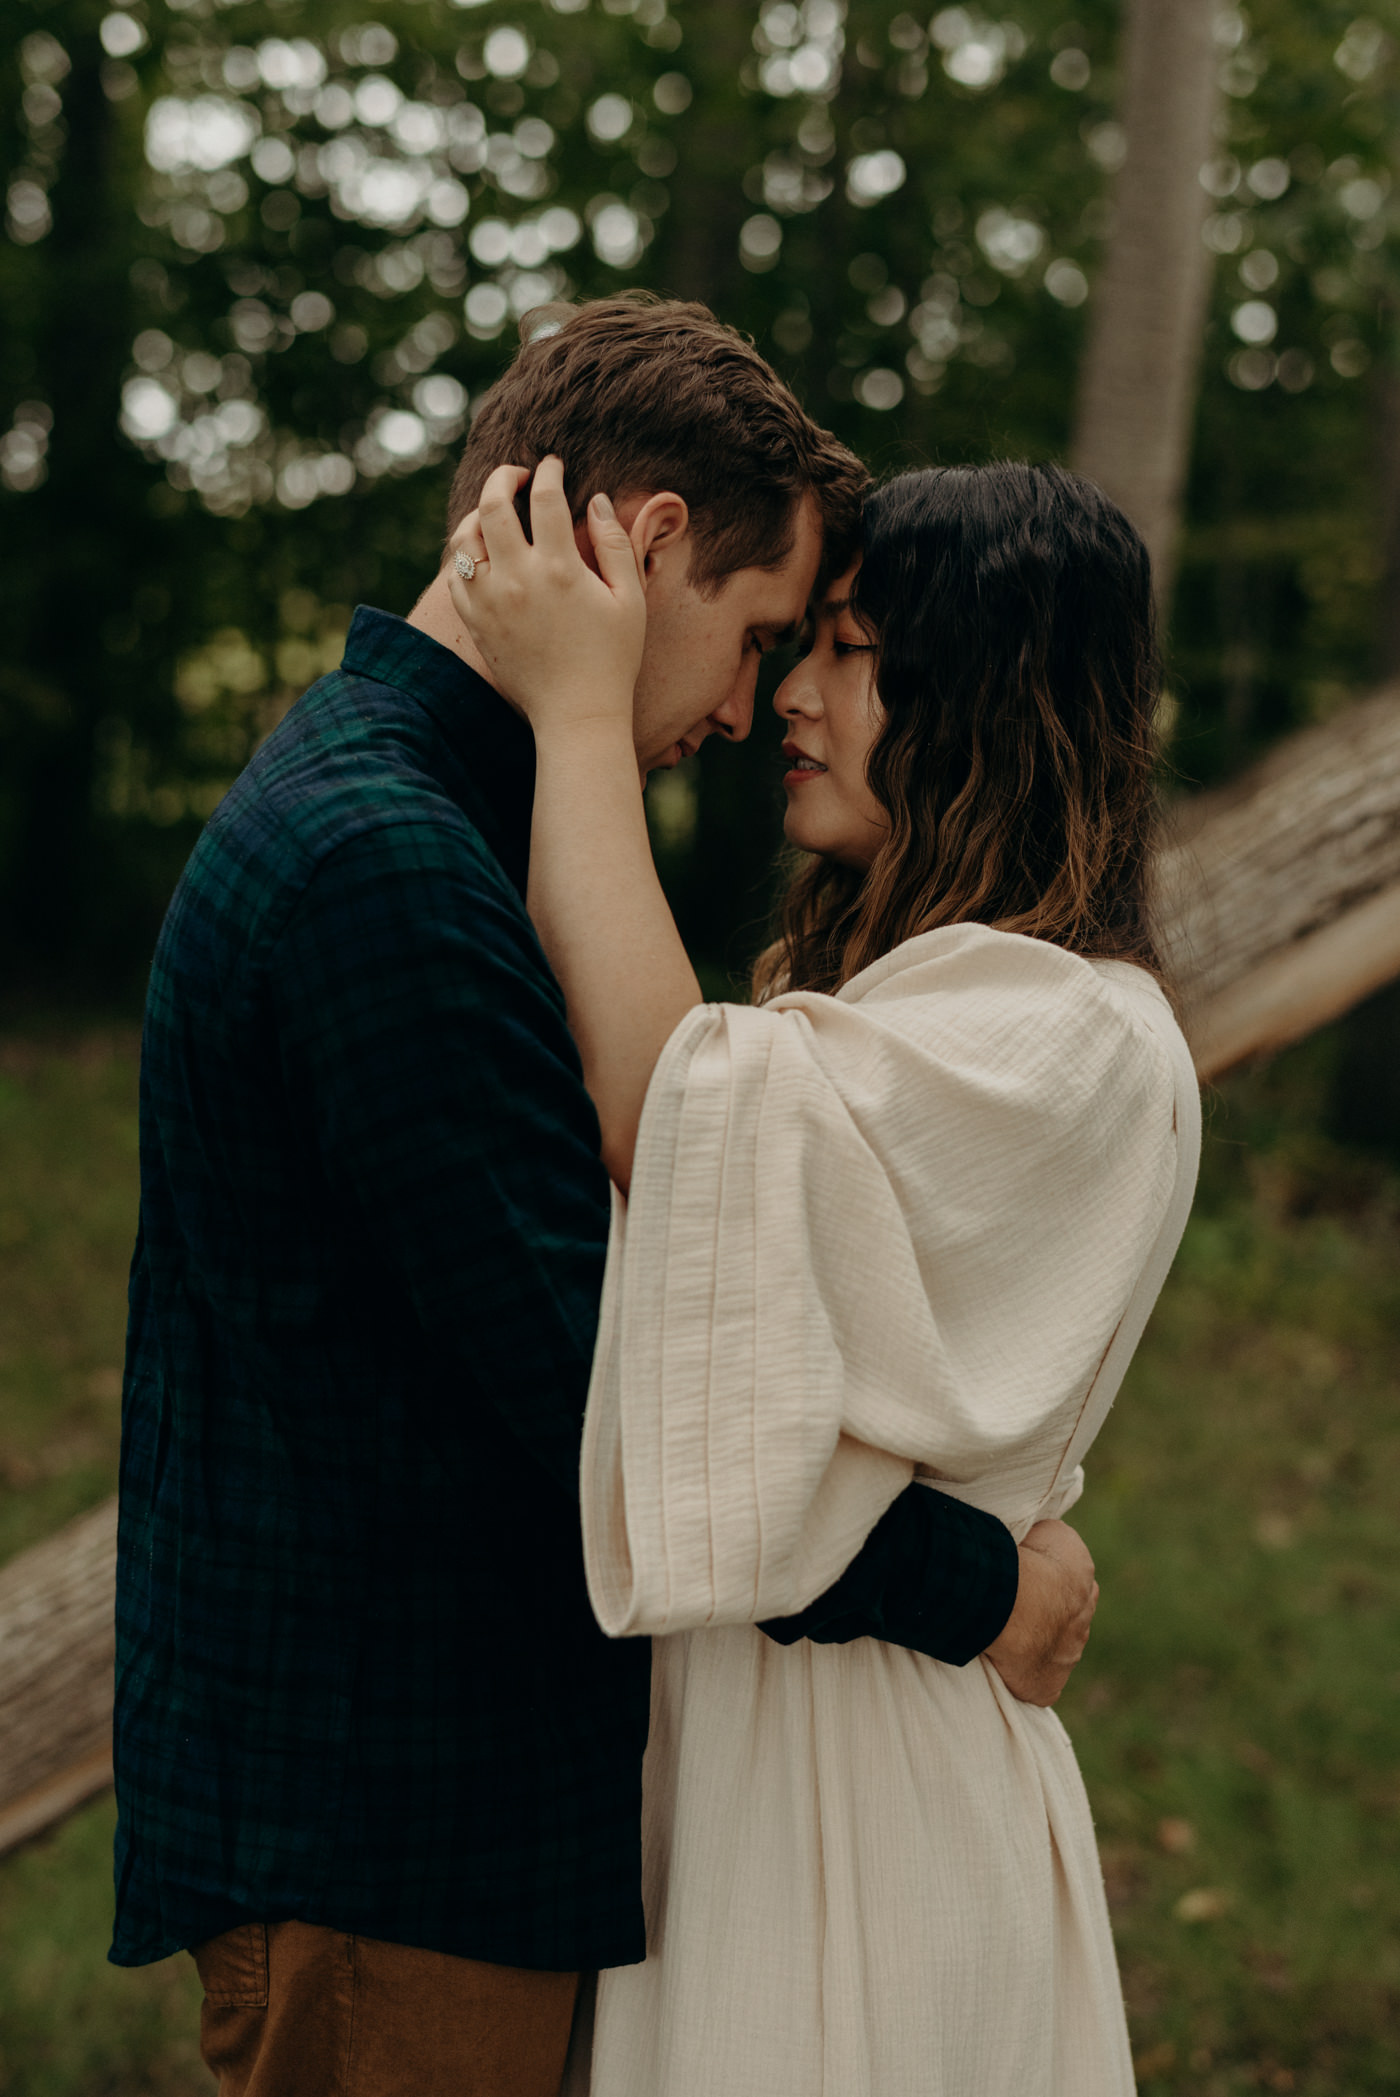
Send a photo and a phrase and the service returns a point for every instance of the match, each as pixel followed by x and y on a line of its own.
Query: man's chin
pixel 665 760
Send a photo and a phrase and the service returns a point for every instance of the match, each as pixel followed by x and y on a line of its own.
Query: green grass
pixel 70 2024
pixel 1237 1716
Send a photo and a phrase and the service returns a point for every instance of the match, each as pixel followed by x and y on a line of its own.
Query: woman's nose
pixel 797 694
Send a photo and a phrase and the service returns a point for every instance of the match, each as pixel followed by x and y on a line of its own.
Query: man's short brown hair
pixel 638 393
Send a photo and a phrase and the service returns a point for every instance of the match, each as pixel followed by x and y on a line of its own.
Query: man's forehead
pixel 776 598
pixel 780 607
pixel 795 580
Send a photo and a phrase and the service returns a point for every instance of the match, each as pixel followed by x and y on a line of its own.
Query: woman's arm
pixel 604 921
pixel 564 645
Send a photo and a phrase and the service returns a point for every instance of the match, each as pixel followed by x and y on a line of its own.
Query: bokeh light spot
pixel 610 118
pixel 506 52
pixel 879 388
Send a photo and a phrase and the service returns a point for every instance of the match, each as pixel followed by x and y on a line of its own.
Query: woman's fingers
pixel 493 530
pixel 533 610
pixel 467 538
pixel 614 552
pixel 500 526
pixel 551 523
pixel 492 536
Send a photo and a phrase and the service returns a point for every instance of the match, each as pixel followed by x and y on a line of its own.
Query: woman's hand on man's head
pixel 561 640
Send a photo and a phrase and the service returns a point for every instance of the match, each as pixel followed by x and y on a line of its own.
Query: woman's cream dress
pixel 914 1229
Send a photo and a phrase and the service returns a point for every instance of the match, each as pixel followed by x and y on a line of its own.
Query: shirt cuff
pixel 934 1575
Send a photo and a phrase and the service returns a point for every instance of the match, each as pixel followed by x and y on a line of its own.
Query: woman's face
pixel 832 714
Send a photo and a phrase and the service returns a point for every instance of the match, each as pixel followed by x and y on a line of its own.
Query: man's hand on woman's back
pixel 1048 1629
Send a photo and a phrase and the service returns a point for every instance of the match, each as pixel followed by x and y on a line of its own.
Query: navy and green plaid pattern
pixel 358 1681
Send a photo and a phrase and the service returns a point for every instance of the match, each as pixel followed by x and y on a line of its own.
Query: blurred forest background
pixel 260 261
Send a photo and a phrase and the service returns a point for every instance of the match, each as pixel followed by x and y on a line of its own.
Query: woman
pixel 907 1215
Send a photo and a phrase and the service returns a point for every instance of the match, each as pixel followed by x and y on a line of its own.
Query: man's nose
pixel 733 717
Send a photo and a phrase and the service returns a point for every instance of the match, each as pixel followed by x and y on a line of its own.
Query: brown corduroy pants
pixel 292 2010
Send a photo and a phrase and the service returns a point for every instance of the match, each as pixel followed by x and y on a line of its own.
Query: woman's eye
pixel 844 648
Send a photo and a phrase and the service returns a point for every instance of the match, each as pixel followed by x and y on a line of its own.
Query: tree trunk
pixel 697 254
pixel 1137 390
pixel 1387 425
pixel 1364 1103
pixel 1363 1106
pixel 723 881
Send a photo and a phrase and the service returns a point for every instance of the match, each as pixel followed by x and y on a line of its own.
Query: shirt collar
pixel 491 742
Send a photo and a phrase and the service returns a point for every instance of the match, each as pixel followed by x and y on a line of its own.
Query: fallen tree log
pixel 1278 896
pixel 56 1650
pixel 1279 905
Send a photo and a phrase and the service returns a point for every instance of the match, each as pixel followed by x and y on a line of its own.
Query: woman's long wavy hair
pixel 1016 664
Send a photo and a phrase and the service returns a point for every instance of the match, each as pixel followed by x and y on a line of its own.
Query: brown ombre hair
pixel 1016 664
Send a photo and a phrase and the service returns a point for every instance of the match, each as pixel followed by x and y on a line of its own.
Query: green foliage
pixel 263 256
pixel 1237 1715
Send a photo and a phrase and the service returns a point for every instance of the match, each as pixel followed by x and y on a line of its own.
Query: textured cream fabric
pixel 916 1227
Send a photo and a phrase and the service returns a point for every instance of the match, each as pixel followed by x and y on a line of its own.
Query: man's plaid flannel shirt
pixel 358 1681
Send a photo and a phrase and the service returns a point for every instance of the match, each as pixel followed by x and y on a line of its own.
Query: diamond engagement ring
pixel 464 564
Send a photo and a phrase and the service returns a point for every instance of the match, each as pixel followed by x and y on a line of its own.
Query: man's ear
pixel 654 524
pixel 660 528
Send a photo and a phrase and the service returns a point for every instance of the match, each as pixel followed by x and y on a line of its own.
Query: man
pixel 376 1765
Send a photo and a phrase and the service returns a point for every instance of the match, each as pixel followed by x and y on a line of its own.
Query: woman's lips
pixel 804 767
